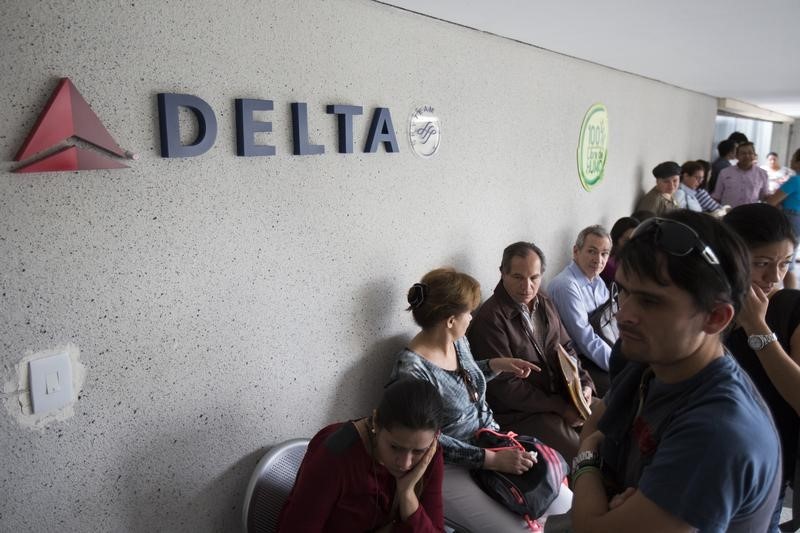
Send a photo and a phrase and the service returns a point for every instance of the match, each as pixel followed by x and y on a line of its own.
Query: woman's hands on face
pixel 409 479
pixel 405 497
pixel 519 367
pixel 752 316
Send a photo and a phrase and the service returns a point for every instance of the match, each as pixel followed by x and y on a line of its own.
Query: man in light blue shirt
pixel 577 291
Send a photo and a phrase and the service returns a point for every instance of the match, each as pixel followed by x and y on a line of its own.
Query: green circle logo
pixel 593 146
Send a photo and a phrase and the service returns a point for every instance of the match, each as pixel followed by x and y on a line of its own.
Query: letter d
pixel 168 104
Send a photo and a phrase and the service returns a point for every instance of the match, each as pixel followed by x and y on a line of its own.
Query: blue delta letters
pixel 381 129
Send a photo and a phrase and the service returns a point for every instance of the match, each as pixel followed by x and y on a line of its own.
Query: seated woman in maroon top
pixel 382 473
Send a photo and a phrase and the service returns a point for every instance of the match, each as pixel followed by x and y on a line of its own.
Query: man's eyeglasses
pixel 678 239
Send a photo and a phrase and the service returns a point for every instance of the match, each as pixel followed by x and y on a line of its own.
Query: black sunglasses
pixel 472 390
pixel 678 239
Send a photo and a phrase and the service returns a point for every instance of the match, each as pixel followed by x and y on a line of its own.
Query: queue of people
pixel 683 440
pixel 694 407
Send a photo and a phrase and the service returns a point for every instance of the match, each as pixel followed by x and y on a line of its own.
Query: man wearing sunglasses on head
pixel 683 440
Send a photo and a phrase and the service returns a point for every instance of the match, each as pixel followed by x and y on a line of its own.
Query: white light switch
pixel 51 382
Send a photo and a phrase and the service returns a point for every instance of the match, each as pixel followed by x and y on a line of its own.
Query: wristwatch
pixel 757 342
pixel 585 458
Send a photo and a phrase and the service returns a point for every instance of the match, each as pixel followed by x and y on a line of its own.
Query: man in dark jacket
pixel 727 152
pixel 520 321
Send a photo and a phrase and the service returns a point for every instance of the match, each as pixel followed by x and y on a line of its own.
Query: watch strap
pixel 758 342
pixel 584 459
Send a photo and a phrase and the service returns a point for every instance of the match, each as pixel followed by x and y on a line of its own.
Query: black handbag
pixel 603 321
pixel 528 494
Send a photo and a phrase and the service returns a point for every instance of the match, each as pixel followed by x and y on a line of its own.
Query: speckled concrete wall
pixel 220 303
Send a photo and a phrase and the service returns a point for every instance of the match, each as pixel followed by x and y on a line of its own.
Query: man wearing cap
pixel 742 183
pixel 683 439
pixel 659 199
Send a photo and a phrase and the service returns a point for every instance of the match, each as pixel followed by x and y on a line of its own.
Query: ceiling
pixel 744 50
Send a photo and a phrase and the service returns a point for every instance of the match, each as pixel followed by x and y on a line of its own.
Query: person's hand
pixel 592 442
pixel 573 417
pixel 752 315
pixel 406 483
pixel 587 394
pixel 510 461
pixel 620 498
pixel 519 367
pixel 404 497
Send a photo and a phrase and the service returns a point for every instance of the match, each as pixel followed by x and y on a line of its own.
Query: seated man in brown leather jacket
pixel 520 321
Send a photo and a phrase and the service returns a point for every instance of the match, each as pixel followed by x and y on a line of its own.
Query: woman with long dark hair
pixel 379 473
pixel 766 339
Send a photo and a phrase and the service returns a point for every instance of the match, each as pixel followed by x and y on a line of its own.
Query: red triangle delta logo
pixel 67 115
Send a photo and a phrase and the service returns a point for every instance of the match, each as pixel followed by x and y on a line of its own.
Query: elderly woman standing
pixel 659 199
pixel 441 304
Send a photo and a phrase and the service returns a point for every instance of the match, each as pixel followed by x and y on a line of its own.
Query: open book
pixel 569 369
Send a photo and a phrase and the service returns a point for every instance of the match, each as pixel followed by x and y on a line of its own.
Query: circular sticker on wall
pixel 424 132
pixel 593 146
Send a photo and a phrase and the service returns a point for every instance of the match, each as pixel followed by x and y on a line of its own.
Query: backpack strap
pixel 500 441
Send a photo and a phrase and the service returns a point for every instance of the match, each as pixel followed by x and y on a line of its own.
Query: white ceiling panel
pixel 731 49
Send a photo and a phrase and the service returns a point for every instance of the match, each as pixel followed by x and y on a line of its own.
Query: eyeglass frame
pixel 653 225
pixel 469 383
